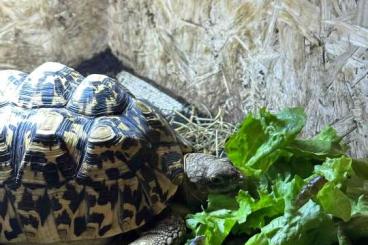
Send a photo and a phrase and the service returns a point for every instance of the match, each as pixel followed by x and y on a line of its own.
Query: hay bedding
pixel 206 133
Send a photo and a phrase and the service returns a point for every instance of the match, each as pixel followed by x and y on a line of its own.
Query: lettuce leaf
pixel 300 191
pixel 310 225
pixel 325 144
pixel 335 170
pixel 357 226
pixel 331 197
pixel 335 202
pixel 257 143
pixel 214 226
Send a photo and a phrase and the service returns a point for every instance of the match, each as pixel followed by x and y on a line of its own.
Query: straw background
pixel 237 55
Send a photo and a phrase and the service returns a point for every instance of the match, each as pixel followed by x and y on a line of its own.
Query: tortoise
pixel 82 159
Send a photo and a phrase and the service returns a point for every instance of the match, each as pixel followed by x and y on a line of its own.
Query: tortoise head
pixel 211 174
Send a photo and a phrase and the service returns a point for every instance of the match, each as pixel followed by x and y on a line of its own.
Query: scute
pixel 99 95
pixel 50 85
pixel 5 169
pixel 9 80
pixel 80 158
pixel 101 134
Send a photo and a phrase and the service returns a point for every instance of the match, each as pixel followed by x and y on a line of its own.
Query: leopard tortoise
pixel 82 159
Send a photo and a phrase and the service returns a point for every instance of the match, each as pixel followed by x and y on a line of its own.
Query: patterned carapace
pixel 80 158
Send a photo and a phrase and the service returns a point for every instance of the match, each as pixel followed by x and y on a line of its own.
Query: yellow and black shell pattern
pixel 80 157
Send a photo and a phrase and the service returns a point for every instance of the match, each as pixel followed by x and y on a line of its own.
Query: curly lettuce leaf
pixel 288 190
pixel 215 226
pixel 247 210
pixel 357 191
pixel 336 170
pixel 265 206
pixel 334 201
pixel 357 227
pixel 310 225
pixel 243 213
pixel 325 144
pixel 257 143
pixel 301 191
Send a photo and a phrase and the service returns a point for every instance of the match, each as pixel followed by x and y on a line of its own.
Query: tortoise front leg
pixel 169 231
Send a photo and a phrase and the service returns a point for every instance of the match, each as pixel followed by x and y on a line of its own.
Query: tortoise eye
pixel 217 180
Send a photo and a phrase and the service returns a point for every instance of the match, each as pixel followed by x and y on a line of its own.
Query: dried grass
pixel 206 134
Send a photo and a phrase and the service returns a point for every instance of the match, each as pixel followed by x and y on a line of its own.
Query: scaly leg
pixel 169 231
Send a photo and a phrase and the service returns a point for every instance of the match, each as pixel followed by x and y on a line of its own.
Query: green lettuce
pixel 258 142
pixel 310 225
pixel 335 170
pixel 325 144
pixel 335 202
pixel 214 226
pixel 300 191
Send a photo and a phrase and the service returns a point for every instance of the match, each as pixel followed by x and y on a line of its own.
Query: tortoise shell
pixel 80 158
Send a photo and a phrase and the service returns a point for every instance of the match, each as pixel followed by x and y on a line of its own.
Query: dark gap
pixel 107 63
pixel 102 63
